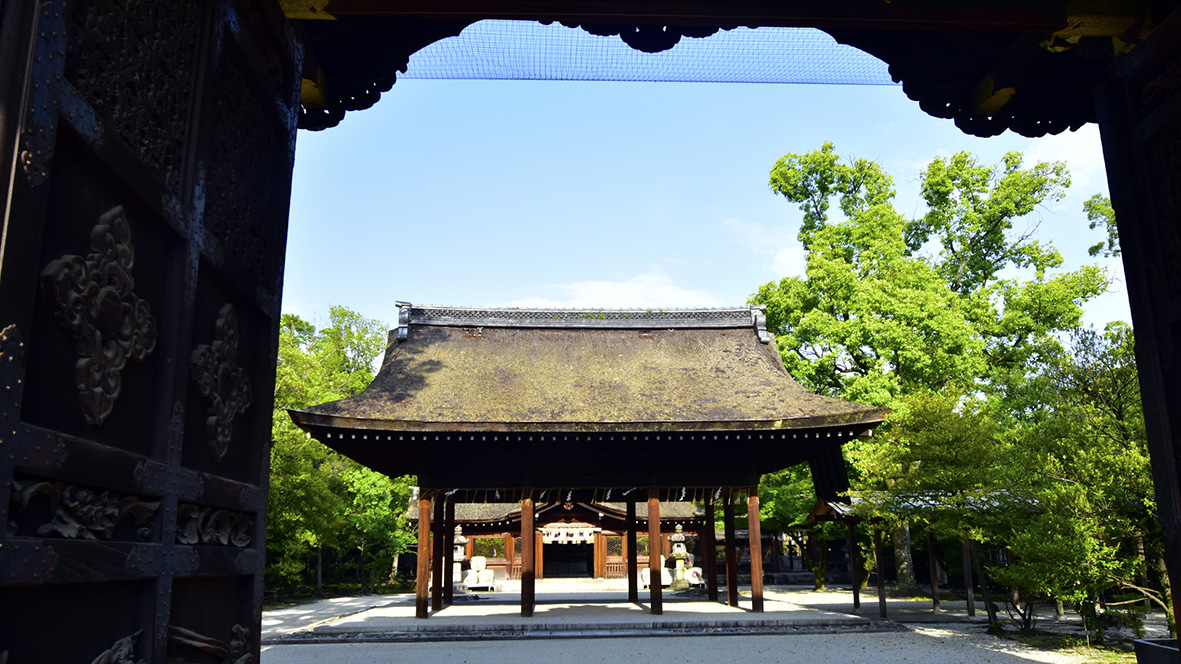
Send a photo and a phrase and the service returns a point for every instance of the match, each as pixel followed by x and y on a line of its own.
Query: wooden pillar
pixel 633 555
pixel 528 569
pixel 967 555
pixel 437 556
pixel 538 556
pixel 877 553
pixel 933 563
pixel 756 549
pixel 448 550
pixel 1140 124
pixel 854 564
pixel 600 555
pixel 731 550
pixel 422 577
pixel 655 591
pixel 711 551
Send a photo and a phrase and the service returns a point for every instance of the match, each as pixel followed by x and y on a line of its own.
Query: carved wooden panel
pixel 140 288
pixel 135 63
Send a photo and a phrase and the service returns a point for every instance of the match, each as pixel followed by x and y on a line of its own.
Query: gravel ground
pixel 922 643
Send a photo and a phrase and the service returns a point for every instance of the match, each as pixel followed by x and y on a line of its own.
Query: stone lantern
pixel 681 557
pixel 458 554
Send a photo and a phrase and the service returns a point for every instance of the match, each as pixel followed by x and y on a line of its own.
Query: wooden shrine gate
pixel 147 150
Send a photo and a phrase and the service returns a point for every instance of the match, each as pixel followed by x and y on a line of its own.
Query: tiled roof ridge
pixel 537 317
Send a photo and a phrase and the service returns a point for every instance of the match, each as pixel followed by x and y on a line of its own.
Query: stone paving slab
pixel 566 615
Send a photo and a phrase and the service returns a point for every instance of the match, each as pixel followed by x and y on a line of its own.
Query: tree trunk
pixel 818 561
pixel 319 592
pixel 1167 595
pixel 906 583
pixel 983 581
pixel 361 570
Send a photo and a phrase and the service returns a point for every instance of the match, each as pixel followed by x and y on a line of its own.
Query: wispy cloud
pixel 787 257
pixel 1083 153
pixel 651 289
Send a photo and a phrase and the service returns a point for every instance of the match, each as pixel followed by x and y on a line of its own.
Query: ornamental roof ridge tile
pixel 578 317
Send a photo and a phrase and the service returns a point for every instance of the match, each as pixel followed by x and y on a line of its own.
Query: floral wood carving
pixel 134 62
pixel 93 298
pixel 82 513
pixel 220 382
pixel 232 653
pixel 123 652
pixel 205 525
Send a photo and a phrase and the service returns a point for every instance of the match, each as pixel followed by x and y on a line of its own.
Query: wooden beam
pixel 711 551
pixel 854 564
pixel 422 577
pixel 633 555
pixel 877 554
pixel 731 550
pixel 933 563
pixel 756 549
pixel 1023 15
pixel 528 569
pixel 437 554
pixel 655 591
pixel 448 550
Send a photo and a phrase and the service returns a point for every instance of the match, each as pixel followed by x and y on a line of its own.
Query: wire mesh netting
pixel 526 50
pixel 614 545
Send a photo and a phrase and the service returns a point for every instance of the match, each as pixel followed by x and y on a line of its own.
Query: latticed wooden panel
pixel 489 547
pixel 614 545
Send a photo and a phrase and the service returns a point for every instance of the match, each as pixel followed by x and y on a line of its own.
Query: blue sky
pixel 603 194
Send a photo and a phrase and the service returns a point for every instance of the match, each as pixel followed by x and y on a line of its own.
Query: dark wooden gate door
pixel 1140 120
pixel 146 149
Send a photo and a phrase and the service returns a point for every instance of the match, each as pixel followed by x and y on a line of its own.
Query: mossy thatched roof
pixel 497 370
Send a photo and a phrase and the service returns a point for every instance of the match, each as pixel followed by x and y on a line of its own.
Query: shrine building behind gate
pixel 548 408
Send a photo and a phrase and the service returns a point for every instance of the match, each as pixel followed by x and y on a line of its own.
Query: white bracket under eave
pixel 759 320
pixel 403 320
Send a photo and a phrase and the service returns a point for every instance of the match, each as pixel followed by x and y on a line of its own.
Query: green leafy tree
pixel 890 307
pixel 1102 215
pixel 1093 528
pixel 786 497
pixel 320 500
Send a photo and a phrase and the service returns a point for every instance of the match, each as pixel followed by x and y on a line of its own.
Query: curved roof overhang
pixel 990 65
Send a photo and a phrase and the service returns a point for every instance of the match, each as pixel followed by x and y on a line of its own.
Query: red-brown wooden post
pixel 711 550
pixel 422 577
pixel 933 563
pixel 656 598
pixel 448 550
pixel 528 569
pixel 756 549
pixel 437 554
pixel 600 550
pixel 633 555
pixel 731 550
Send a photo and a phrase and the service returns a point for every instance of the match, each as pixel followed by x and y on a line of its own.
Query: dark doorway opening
pixel 568 561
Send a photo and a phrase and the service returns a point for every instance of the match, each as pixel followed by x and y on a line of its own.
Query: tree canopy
pixel 967 325
pixel 319 500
